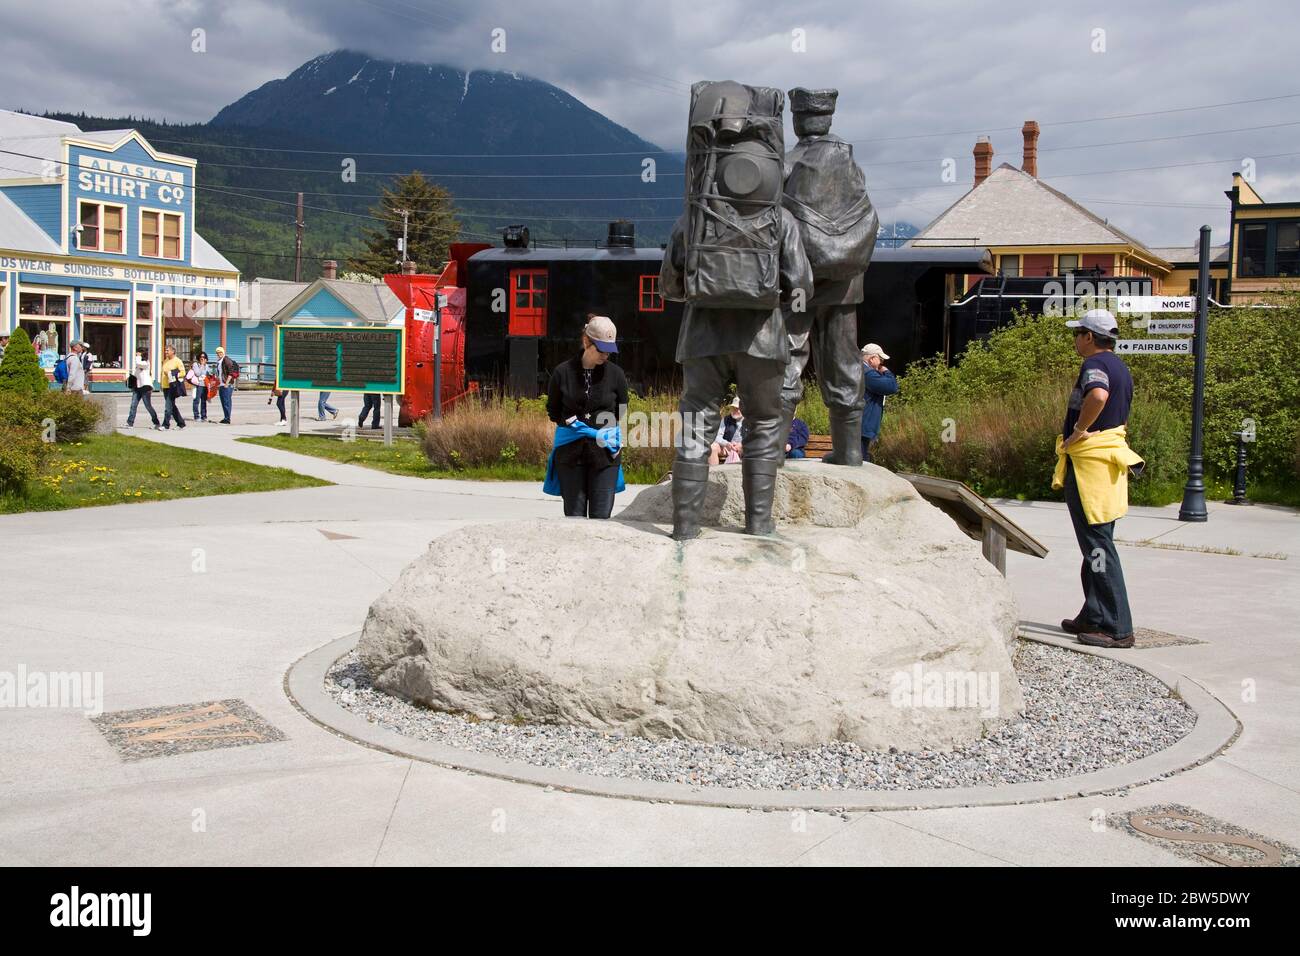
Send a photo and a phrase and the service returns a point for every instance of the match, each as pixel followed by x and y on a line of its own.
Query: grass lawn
pixel 112 469
pixel 405 457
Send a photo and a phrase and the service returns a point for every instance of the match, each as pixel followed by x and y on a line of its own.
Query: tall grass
pixel 508 433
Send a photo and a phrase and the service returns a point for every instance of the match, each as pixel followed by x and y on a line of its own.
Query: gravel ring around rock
pixel 1083 713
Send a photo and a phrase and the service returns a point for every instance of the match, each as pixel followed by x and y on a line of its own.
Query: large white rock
pixel 869 618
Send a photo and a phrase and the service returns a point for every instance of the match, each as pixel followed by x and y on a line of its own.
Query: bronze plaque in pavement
pixel 184 728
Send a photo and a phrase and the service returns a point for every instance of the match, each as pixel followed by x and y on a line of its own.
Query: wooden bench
pixel 817 446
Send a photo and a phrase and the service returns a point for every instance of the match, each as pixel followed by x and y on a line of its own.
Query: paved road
pixel 213 598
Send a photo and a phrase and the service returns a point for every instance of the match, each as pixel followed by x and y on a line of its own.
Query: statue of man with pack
pixel 733 258
pixel 826 191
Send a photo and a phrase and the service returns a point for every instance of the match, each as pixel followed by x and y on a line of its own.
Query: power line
pixel 896 162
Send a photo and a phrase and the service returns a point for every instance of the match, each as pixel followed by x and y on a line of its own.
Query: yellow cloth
pixel 1101 463
pixel 170 365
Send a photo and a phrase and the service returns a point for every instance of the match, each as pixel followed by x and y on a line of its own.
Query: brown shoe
pixel 1098 639
pixel 1071 625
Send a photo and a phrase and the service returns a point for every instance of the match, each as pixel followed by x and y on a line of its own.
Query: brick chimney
pixel 329 269
pixel 983 159
pixel 1030 162
pixel 408 267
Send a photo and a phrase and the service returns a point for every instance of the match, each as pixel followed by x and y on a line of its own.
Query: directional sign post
pixel 1153 347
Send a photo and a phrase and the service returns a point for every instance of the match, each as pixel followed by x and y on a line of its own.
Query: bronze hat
pixel 812 101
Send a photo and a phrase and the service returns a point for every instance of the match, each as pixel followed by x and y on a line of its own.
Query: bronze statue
pixel 826 191
pixel 734 256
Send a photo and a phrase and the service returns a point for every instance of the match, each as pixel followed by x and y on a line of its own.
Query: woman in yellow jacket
pixel 173 383
pixel 1092 464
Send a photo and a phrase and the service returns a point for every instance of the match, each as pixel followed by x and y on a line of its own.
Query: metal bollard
pixel 1239 480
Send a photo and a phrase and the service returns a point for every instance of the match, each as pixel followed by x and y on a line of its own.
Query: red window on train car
pixel 649 299
pixel 527 301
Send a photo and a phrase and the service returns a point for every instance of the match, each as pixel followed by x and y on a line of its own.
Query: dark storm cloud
pixel 905 71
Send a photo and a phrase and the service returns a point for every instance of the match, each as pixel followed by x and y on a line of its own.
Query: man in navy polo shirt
pixel 1099 402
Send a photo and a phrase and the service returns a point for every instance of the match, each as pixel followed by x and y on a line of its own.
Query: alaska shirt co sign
pixel 1153 347
pixel 340 359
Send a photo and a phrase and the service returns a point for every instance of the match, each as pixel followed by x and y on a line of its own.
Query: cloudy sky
pixel 918 80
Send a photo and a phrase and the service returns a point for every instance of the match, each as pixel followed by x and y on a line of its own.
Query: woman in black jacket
pixel 590 389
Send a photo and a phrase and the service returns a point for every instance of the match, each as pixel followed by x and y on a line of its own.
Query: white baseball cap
pixel 1096 320
pixel 871 348
pixel 600 329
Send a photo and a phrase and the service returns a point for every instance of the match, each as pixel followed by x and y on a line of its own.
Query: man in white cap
pixel 879 382
pixel 1093 459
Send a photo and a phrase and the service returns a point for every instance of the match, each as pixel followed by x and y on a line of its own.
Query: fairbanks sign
pixel 91 270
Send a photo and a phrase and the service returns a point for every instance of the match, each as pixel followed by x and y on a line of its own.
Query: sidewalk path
pixel 206 599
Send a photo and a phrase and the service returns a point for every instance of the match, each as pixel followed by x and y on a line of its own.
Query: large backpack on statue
pixel 732 228
pixel 827 192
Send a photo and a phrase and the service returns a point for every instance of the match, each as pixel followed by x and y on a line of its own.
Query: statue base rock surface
pixel 869 618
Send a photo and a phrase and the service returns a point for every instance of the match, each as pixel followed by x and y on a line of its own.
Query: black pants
pixel 866 448
pixel 279 405
pixel 587 476
pixel 369 403
pixel 1105 596
pixel 170 407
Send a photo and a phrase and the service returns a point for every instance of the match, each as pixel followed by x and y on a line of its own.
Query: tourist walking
pixel 197 378
pixel 323 405
pixel 173 374
pixel 585 396
pixel 75 367
pixel 227 375
pixel 1092 466
pixel 878 382
pixel 369 403
pixel 141 383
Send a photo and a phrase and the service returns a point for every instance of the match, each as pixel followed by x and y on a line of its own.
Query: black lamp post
pixel 1193 508
pixel 1239 480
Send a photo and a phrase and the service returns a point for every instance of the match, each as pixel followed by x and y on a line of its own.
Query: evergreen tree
pixel 20 370
pixel 431 228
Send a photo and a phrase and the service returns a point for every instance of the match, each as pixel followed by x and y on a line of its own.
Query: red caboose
pixel 425 312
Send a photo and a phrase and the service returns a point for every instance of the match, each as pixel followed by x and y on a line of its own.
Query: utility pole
pixel 297 243
pixel 406 216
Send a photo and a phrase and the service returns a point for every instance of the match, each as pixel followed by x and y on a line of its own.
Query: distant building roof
pixel 374 304
pixel 1013 208
pixel 1182 255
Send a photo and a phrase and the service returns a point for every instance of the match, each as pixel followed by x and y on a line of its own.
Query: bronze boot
pixel 758 478
pixel 690 482
pixel 846 437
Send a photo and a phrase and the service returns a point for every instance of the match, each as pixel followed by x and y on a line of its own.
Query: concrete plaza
pixel 210 599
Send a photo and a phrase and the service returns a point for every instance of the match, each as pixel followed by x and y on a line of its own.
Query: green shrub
pixel 20 370
pixel 74 417
pixel 23 450
pixel 1006 399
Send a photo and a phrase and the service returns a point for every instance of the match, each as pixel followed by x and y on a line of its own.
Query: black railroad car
pixel 526 307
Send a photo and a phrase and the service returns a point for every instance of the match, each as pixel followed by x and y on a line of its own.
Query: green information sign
pixel 340 359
